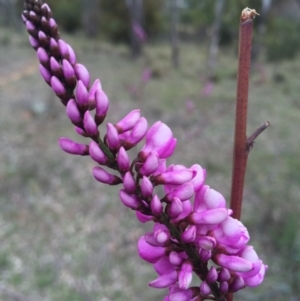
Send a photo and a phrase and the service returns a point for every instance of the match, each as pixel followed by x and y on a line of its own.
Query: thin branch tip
pixel 248 14
pixel 257 132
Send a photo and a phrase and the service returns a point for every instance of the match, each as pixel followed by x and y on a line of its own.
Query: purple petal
pixel 148 252
pixel 189 234
pixel 156 205
pixel 82 95
pixel 233 263
pixel 164 280
pixel 210 217
pixel 183 192
pixel 73 112
pixel 146 187
pixel 204 288
pixel 97 154
pixel 185 295
pixel 112 137
pixel 150 165
pixel 128 122
pixel 105 177
pixel 72 147
pixel 206 242
pixel 163 266
pixel 177 177
pixel 82 74
pixel 143 218
pixel 90 125
pixel 130 201
pixel 57 86
pixel 129 182
pixel 162 236
pixel 123 160
pixel 137 134
pixel 175 258
pixel 257 279
pixel 185 275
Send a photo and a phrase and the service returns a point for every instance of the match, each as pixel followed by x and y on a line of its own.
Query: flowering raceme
pixel 193 231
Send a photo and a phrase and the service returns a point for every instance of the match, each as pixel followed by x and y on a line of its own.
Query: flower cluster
pixel 193 232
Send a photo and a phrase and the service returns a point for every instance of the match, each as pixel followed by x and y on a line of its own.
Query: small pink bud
pixel 57 86
pixel 73 112
pixel 80 131
pixel 162 236
pixel 63 48
pixel 189 234
pixel 82 74
pixel 130 201
pixel 55 67
pixel 156 206
pixel 72 55
pixel 204 288
pixel 224 287
pixel 205 255
pixel 210 217
pixel 43 56
pixel 128 122
pixel 237 284
pixel 34 42
pixel 72 147
pixel 175 258
pixel 129 183
pixel 97 154
pixel 224 275
pixel 183 192
pixel 123 160
pixel 105 177
pixel 164 280
pixel 149 253
pixel 212 275
pixel 175 208
pixel 69 72
pixel 102 104
pixel 146 187
pixel 92 94
pixel 206 242
pixel 90 125
pixel 177 177
pixel 150 165
pixel 82 95
pixel 185 275
pixel 112 137
pixel 45 74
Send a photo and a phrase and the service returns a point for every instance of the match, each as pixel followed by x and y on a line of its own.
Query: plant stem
pixel 240 153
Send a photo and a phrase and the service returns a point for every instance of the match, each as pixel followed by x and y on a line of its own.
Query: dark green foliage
pixel 68 14
pixel 283 41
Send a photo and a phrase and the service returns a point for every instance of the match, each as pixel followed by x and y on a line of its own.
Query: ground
pixel 65 236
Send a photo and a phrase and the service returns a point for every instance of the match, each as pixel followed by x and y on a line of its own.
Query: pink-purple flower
pixel 193 233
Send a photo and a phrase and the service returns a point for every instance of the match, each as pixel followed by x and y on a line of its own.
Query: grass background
pixel 65 236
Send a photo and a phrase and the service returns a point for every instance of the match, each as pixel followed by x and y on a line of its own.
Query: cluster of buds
pixel 193 233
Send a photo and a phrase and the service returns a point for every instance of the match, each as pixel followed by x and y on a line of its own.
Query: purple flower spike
pixel 146 187
pixel 189 234
pixel 102 104
pixel 57 86
pixel 204 288
pixel 90 125
pixel 185 275
pixel 159 139
pixel 43 57
pixel 177 177
pixel 105 177
pixel 69 73
pixel 129 183
pixel 63 48
pixel 82 95
pixel 97 154
pixel 82 74
pixel 112 137
pixel 73 112
pixel 45 74
pixel 128 122
pixel 156 206
pixel 72 147
pixel 130 201
pixel 123 160
pixel 164 280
